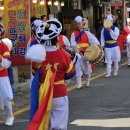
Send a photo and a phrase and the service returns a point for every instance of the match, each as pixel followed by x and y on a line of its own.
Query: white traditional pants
pixel 112 55
pixel 82 67
pixel 6 95
pixel 59 114
pixel 109 66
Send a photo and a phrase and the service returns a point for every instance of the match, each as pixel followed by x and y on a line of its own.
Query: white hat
pixel 54 28
pixel 110 17
pixel 8 43
pixel 78 19
pixel 36 24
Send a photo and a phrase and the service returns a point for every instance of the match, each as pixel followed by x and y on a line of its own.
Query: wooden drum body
pixel 94 54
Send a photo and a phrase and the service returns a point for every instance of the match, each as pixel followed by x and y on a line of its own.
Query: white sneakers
pixel 9 121
pixel 108 75
pixel 88 84
pixel 79 87
pixel 115 73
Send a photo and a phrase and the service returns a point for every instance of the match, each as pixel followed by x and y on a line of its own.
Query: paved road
pixel 103 106
pixel 94 108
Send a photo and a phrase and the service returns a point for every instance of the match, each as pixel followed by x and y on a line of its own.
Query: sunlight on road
pixel 118 122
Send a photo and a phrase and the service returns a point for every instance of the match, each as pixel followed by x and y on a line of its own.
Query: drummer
pixel 109 36
pixel 80 40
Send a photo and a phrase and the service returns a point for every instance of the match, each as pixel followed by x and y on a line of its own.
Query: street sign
pixel 116 2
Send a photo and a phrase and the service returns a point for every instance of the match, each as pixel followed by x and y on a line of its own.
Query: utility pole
pixel 124 13
pixel 68 5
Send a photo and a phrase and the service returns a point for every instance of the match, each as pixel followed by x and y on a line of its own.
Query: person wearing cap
pixel 109 36
pixel 35 23
pixel 5 86
pixel 34 40
pixel 53 70
pixel 80 40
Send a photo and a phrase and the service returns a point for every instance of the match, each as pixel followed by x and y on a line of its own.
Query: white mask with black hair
pixel 49 31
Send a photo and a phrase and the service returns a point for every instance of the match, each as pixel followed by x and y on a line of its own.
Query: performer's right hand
pixel 76 49
pixel 108 29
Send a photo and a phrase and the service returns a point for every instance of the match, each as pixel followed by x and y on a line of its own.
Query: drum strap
pixel 79 36
pixel 75 59
pixel 77 39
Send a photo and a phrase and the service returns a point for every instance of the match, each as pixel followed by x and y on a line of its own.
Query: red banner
pixel 16 22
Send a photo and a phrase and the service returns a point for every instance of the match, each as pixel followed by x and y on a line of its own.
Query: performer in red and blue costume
pixel 9 44
pixel 34 40
pixel 81 39
pixel 124 41
pixel 49 100
pixel 5 86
